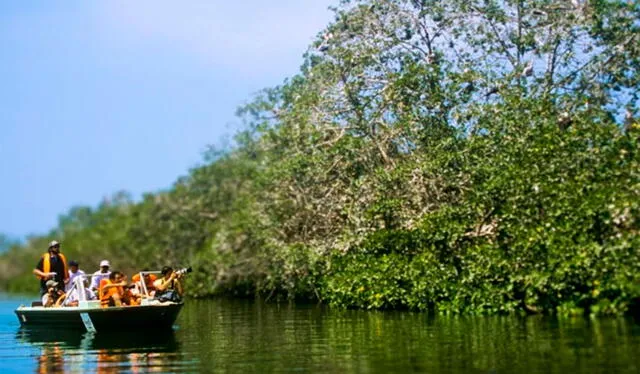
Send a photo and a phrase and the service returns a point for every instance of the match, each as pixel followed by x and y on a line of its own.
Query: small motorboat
pixel 90 316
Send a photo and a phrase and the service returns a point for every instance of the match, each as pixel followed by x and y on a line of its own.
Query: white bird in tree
pixel 324 46
pixel 492 90
pixel 432 58
pixel 628 116
pixel 528 69
pixel 564 120
pixel 628 120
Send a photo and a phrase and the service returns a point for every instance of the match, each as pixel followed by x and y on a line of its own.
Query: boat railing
pixel 79 287
pixel 143 283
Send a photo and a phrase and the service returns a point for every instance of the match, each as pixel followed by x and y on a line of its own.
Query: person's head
pixel 54 247
pixel 166 271
pixel 51 285
pixel 116 276
pixel 73 265
pixel 104 266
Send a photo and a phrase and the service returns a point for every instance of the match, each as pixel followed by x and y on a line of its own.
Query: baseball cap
pixel 104 263
pixel 51 283
pixel 54 243
pixel 73 263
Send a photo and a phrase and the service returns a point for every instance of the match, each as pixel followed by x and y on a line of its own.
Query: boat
pixel 91 317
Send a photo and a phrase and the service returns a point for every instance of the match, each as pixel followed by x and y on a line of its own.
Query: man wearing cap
pixel 52 266
pixel 74 272
pixel 99 275
pixel 52 295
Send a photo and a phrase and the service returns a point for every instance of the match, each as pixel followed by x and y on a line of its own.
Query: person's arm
pixel 117 301
pixel 112 285
pixel 178 286
pixel 164 284
pixel 61 299
pixel 47 301
pixel 38 270
pixel 41 274
pixel 94 282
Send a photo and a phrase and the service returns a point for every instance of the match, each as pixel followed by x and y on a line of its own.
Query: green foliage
pixel 461 156
pixel 7 242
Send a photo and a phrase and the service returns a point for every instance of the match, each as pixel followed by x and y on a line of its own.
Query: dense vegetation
pixel 464 156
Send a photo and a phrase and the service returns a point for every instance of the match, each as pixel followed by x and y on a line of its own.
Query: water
pixel 237 336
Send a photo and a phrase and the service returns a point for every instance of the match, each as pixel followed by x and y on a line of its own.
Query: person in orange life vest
pixel 148 281
pixel 52 262
pixel 111 290
pixel 129 297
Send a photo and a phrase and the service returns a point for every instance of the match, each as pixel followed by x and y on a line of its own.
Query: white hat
pixel 104 263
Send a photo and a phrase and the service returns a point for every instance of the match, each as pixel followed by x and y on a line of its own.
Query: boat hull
pixel 127 318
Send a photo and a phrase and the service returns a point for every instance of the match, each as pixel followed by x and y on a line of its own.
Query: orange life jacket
pixel 105 295
pixel 46 265
pixel 130 299
pixel 148 280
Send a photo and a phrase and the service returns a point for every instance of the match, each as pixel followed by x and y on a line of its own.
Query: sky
pixel 102 96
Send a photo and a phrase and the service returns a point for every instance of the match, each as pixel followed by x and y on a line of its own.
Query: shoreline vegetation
pixel 472 157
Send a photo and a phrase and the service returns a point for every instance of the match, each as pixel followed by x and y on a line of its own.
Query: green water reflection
pixel 231 336
pixel 257 337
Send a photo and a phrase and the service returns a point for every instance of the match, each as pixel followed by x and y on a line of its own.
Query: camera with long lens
pixel 184 271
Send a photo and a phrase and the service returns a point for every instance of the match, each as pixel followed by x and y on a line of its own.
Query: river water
pixel 239 336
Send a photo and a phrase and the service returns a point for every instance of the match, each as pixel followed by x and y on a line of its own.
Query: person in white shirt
pixel 74 296
pixel 99 275
pixel 74 271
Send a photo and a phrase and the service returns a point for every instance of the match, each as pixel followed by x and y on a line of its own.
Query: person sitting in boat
pixel 74 271
pixel 129 297
pixel 73 298
pixel 99 275
pixel 149 279
pixel 111 290
pixel 52 266
pixel 168 288
pixel 53 294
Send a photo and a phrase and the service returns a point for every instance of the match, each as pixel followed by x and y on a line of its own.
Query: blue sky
pixel 115 95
